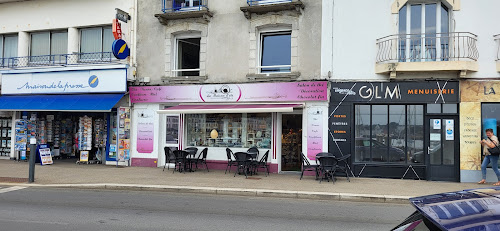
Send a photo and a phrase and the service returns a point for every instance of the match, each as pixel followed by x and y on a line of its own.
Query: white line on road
pixel 14 188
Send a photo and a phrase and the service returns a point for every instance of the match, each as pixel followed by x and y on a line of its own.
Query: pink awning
pixel 229 108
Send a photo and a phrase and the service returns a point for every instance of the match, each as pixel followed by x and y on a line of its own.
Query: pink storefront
pixel 283 118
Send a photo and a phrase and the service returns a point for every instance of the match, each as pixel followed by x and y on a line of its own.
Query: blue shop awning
pixel 87 102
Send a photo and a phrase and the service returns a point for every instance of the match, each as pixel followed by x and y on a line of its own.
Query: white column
pixel 23 45
pixel 73 45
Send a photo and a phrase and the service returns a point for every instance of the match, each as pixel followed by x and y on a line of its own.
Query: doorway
pixel 442 148
pixel 291 142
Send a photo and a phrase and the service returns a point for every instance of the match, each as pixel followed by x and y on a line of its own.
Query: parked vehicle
pixel 473 209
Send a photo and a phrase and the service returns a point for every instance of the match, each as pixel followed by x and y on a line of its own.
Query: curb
pixel 232 191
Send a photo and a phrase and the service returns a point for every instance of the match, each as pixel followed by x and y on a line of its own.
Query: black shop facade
pixel 405 130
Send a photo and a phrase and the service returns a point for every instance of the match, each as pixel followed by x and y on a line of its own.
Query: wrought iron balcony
pixel 170 6
pixel 457 46
pixel 265 2
pixel 58 60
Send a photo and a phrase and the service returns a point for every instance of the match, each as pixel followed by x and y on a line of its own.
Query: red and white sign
pixel 117 29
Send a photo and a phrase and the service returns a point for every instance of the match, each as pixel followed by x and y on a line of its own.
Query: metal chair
pixel 262 163
pixel 230 161
pixel 242 162
pixel 202 158
pixel 328 166
pixel 342 164
pixel 180 160
pixel 169 157
pixel 253 150
pixel 308 167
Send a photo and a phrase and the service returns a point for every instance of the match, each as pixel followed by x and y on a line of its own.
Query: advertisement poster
pixel 145 131
pixel 450 133
pixel 437 124
pixel 123 134
pixel 84 156
pixel 45 155
pixel 21 137
pixel 314 132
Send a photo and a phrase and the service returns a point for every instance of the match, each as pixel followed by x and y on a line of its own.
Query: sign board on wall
pixel 480 91
pixel 258 92
pixel 65 82
pixel 470 135
pixel 145 131
pixel 314 132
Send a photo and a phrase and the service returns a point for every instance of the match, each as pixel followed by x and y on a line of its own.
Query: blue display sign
pixel 120 49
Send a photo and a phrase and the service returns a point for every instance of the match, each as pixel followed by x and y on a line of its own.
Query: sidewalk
pixel 67 174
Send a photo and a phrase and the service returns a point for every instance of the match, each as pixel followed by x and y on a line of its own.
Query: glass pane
pixel 449 142
pixel 276 50
pixel 1 48
pixel 433 108
pixel 107 40
pixel 260 125
pixel 362 133
pixel 40 44
pixel 415 141
pixel 91 40
pixel 402 33
pixel 450 108
pixel 435 141
pixel 172 133
pixel 430 31
pixel 10 46
pixel 445 29
pixel 490 113
pixel 188 56
pixel 397 133
pixel 415 30
pixel 380 134
pixel 59 43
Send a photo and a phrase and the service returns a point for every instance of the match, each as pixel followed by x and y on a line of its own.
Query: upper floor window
pixel 96 42
pixel 8 48
pixel 275 52
pixel 187 55
pixel 187 4
pixel 424 31
pixel 44 45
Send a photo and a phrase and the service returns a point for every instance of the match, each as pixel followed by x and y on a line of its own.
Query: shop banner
pixel 65 82
pixel 145 131
pixel 470 135
pixel 314 132
pixel 123 134
pixel 391 92
pixel 480 91
pixel 257 92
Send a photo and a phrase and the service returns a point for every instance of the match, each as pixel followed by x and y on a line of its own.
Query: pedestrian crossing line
pixel 14 188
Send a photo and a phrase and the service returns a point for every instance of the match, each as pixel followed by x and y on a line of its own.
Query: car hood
pixel 473 209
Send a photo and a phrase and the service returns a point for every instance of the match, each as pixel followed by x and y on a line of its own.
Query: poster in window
pixel 437 124
pixel 450 133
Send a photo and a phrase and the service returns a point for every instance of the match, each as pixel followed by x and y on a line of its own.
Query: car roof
pixel 474 209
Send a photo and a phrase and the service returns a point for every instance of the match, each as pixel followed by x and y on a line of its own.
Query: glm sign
pixel 65 82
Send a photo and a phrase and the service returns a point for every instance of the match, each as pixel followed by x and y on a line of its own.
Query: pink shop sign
pixel 257 92
pixel 314 132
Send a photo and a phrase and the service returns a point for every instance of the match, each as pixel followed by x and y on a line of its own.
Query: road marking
pixel 14 188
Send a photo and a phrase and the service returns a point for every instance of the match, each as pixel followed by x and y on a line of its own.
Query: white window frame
pixel 262 33
pixel 175 68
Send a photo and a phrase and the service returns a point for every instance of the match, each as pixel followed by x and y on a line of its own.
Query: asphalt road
pixel 63 209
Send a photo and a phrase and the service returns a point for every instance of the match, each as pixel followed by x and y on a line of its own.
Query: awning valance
pixel 229 108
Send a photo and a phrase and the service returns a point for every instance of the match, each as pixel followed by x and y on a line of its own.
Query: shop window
pixel 48 43
pixel 96 42
pixel 8 47
pixel 389 133
pixel 433 108
pixel 229 130
pixel 172 130
pixel 188 56
pixel 275 52
pixel 490 118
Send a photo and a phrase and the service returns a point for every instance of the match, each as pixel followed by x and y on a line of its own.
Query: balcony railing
pixel 58 60
pixel 170 6
pixel 427 48
pixel 265 2
pixel 497 42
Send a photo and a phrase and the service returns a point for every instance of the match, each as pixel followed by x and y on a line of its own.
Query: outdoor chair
pixel 253 150
pixel 169 157
pixel 308 167
pixel 328 166
pixel 242 162
pixel 202 159
pixel 192 150
pixel 262 163
pixel 230 161
pixel 180 160
pixel 342 165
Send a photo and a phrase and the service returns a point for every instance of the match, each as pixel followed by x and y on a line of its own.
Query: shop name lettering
pixel 53 85
pixel 490 91
pixel 368 93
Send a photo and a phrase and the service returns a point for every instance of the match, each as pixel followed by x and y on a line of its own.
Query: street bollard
pixel 32 160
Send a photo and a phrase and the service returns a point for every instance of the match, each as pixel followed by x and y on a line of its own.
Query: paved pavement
pixel 72 209
pixel 281 185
